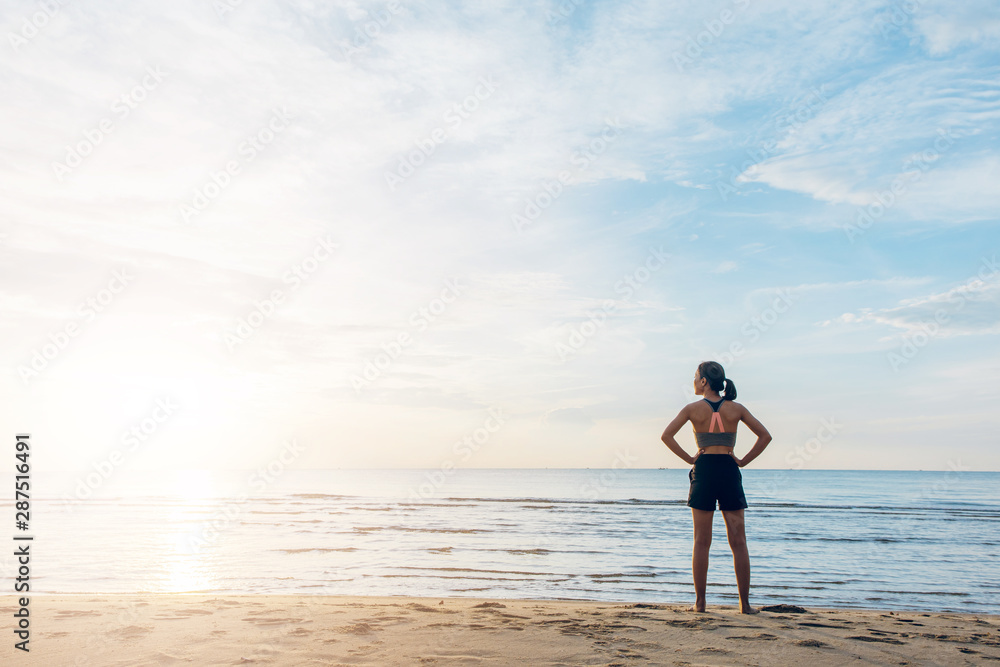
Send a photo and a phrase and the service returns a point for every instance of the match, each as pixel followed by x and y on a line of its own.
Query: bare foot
pixel 698 607
pixel 747 609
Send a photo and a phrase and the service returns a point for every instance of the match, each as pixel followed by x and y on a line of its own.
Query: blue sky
pixel 388 230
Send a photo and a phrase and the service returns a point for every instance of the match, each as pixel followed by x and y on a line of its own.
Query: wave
pixel 410 529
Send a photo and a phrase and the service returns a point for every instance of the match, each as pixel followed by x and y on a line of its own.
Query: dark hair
pixel 717 380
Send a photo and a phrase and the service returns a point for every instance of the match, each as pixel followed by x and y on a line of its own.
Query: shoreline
pixel 233 629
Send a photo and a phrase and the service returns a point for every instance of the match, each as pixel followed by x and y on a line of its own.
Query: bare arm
pixel 671 430
pixel 763 437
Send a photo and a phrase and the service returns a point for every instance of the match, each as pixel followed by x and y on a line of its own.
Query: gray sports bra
pixel 711 439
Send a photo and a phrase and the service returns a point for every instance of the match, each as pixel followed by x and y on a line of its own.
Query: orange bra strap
pixel 716 417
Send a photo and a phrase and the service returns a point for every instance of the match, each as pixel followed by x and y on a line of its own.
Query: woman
pixel 716 474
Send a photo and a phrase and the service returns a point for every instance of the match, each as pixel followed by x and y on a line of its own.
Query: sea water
pixel 876 539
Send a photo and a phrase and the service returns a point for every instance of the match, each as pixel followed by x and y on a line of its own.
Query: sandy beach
pixel 152 629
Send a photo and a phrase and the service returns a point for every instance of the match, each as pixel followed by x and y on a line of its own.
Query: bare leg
pixel 736 531
pixel 699 556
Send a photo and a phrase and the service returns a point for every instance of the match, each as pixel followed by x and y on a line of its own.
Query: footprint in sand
pixel 813 643
pixel 760 635
pixel 161 658
pixel 882 640
pixel 270 620
pixel 181 615
pixel 459 656
pixel 70 613
pixel 416 606
pixel 357 629
pixel 224 603
pixel 131 631
pixel 704 623
pixel 785 609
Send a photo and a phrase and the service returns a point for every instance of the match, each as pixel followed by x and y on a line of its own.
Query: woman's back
pixel 700 414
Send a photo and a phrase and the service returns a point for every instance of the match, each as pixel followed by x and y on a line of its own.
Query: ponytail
pixel 730 394
pixel 717 380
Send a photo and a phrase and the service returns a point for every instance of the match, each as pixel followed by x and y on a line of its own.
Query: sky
pixel 439 235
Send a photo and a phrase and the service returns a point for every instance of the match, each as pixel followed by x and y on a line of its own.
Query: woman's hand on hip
pixel 739 462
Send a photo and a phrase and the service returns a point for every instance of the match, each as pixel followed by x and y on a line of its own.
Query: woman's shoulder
pixel 727 402
pixel 703 401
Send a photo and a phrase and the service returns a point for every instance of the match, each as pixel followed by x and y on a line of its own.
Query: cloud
pixel 970 308
pixel 872 134
pixel 946 26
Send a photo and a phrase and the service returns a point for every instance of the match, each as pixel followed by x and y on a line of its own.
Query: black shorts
pixel 716 478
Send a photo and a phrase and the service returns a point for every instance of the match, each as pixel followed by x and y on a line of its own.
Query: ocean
pixel 870 539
